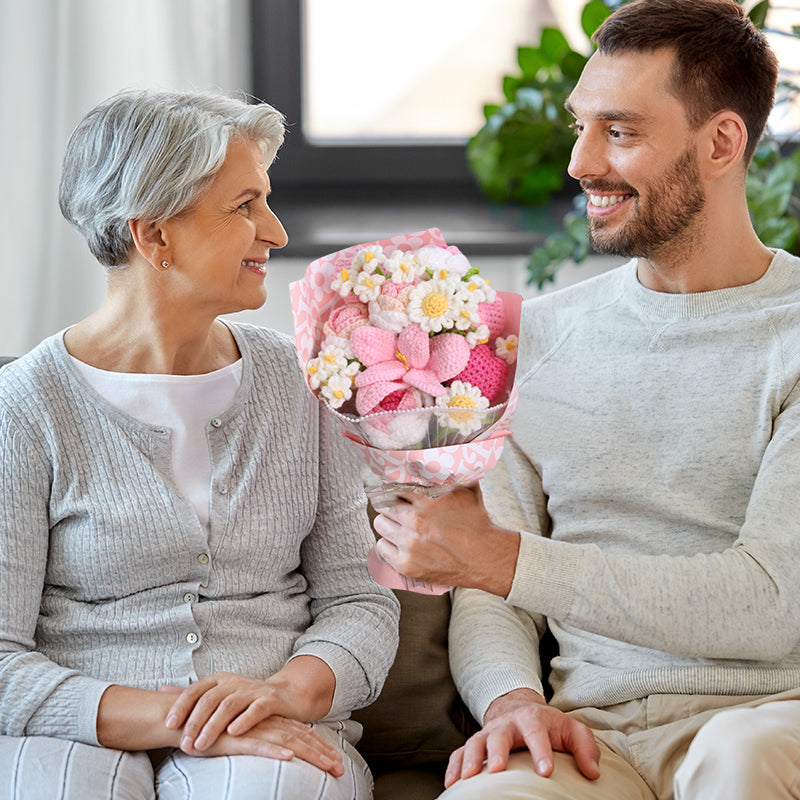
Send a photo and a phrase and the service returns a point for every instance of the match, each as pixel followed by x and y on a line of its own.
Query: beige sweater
pixel 655 474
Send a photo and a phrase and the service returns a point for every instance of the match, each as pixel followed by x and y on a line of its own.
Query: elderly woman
pixel 185 609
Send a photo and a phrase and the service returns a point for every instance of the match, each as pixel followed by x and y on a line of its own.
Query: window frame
pixel 276 49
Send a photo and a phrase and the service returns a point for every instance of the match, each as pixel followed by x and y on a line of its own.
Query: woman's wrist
pixel 309 684
pixel 134 719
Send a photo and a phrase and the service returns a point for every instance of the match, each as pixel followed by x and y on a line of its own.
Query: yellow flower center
pixel 313 370
pixel 402 358
pixel 464 402
pixel 443 274
pixel 434 305
pixel 338 394
pixel 461 401
pixel 329 358
pixel 465 313
pixel 345 275
pixel 369 283
pixel 472 286
pixel 368 257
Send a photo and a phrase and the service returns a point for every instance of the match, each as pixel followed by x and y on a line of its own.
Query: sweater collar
pixel 704 304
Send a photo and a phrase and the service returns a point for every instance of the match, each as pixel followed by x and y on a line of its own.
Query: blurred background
pixel 383 101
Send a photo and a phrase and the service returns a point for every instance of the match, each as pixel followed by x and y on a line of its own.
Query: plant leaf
pixel 758 13
pixel 594 14
pixel 554 45
pixel 531 60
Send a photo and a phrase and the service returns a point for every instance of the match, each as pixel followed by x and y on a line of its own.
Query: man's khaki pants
pixel 703 747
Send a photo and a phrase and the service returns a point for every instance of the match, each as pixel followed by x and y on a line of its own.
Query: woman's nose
pixel 270 229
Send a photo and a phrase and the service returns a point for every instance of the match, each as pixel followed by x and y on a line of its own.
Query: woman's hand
pixel 227 703
pixel 280 738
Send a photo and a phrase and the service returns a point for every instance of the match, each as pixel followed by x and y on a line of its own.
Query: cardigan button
pixel 216 422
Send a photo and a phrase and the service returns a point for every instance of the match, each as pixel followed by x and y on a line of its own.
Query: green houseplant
pixel 521 153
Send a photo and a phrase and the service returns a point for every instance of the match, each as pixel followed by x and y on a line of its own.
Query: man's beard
pixel 662 219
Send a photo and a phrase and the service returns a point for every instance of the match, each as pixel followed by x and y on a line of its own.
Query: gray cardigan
pixel 107 576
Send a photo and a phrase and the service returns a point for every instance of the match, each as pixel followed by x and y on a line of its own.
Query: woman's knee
pixel 242 777
pixel 37 766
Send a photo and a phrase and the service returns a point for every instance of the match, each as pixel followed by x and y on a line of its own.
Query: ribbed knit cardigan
pixel 107 576
pixel 654 472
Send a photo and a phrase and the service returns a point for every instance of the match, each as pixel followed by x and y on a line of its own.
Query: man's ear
pixel 148 237
pixel 726 138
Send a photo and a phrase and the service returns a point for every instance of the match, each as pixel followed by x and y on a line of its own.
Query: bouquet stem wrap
pixel 443 398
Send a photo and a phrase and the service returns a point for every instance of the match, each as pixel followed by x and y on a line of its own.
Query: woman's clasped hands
pixel 228 714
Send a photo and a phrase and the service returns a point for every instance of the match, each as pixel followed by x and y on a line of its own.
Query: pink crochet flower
pixel 408 359
pixel 344 319
pixel 486 371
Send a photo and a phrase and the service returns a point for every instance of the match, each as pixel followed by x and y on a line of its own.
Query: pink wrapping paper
pixel 433 469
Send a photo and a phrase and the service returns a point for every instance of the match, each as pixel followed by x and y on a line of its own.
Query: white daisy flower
pixel 507 348
pixel 433 304
pixel 368 259
pixel 329 361
pixel 344 282
pixel 477 288
pixel 469 317
pixel 340 342
pixel 338 389
pixel 404 267
pixel 479 335
pixel 461 407
pixel 441 262
pixel 368 286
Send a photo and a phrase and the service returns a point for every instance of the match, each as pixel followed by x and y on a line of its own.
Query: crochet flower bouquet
pixel 414 354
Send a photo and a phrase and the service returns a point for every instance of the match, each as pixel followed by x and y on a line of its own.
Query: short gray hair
pixel 150 154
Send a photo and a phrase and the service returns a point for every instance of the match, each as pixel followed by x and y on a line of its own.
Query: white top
pixel 181 403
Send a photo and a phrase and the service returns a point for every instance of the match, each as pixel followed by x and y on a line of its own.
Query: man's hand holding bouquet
pixel 414 354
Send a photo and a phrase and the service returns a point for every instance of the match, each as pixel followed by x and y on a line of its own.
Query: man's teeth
pixel 252 264
pixel 606 200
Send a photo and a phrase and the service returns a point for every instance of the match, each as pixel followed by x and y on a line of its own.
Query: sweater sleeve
pixel 48 699
pixel 741 603
pixel 355 621
pixel 494 647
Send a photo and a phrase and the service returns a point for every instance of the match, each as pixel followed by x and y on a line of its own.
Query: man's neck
pixel 718 254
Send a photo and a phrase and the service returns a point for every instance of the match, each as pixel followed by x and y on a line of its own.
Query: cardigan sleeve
pixel 49 700
pixel 355 621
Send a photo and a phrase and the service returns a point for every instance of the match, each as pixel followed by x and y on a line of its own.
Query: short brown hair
pixel 723 62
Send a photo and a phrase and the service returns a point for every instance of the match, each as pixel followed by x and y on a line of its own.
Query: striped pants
pixel 40 768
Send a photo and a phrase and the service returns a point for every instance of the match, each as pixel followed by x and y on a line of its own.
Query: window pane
pixel 420 69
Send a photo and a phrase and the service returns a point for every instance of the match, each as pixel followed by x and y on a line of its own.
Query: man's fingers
pixel 454 766
pixel 580 741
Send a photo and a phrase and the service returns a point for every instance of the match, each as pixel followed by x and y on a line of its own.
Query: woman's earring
pixel 165 265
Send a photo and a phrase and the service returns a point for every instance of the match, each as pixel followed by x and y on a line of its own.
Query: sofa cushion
pixel 419 718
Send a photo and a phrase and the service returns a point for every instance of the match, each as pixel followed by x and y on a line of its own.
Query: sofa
pixel 419 718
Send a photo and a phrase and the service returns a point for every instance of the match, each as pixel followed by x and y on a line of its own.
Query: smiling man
pixel 645 509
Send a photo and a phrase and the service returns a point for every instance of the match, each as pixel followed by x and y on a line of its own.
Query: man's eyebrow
pixel 611 114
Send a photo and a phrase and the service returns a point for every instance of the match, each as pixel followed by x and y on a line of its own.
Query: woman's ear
pixel 148 237
pixel 727 141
